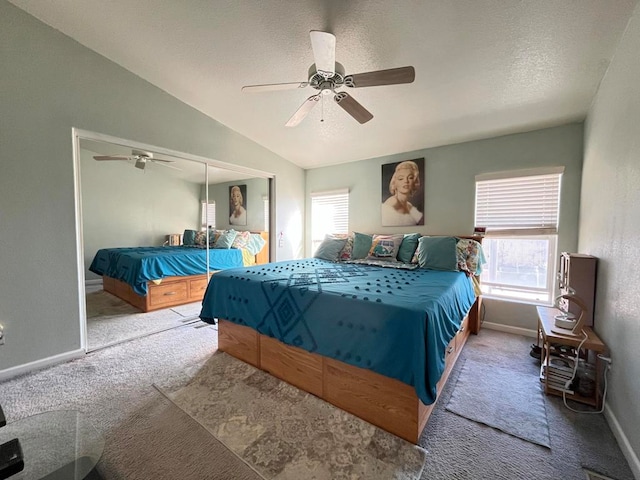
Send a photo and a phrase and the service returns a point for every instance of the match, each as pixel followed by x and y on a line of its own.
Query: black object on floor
pixel 11 459
pixel 536 351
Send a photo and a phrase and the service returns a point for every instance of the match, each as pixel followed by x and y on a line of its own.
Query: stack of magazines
pixel 557 371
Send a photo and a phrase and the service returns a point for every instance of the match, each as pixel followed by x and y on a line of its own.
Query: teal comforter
pixel 394 322
pixel 137 265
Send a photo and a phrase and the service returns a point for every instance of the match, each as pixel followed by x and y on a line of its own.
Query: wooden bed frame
pixel 382 401
pixel 171 291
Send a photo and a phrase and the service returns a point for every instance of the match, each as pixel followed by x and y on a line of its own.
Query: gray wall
pixel 257 189
pixel 610 225
pixel 450 191
pixel 49 84
pixel 123 206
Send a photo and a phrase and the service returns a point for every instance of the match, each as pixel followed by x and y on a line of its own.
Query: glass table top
pixel 60 444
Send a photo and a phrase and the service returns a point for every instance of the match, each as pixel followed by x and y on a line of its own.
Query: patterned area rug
pixel 284 433
pixel 501 398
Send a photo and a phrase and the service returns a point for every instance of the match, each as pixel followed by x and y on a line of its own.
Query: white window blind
pixel 329 214
pixel 208 218
pixel 518 205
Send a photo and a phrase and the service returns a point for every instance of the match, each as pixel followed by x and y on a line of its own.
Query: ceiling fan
pixel 328 76
pixel 140 157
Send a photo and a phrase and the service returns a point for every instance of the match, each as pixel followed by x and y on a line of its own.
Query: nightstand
pixel 554 344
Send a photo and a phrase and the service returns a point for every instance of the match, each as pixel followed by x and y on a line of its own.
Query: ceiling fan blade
pixel 303 111
pixel 271 87
pixel 324 52
pixel 352 107
pixel 393 76
pixel 112 157
pixel 160 162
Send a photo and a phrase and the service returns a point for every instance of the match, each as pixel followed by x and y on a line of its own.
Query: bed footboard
pixel 382 401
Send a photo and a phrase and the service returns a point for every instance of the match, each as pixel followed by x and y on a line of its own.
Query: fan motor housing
pixel 319 82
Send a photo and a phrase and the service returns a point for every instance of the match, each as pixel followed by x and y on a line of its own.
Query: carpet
pixel 111 320
pixel 284 433
pixel 505 399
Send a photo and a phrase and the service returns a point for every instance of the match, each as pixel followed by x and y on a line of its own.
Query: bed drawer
pixel 197 288
pixel 168 293
pixel 463 333
pixel 298 367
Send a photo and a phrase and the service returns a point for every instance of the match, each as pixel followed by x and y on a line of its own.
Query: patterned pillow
pixel 470 256
pixel 241 240
pixel 200 238
pixel 345 253
pixel 385 247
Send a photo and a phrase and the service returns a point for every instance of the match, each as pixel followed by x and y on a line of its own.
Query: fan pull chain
pixel 322 114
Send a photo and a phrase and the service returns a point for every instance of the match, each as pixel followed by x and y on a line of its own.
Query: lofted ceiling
pixel 483 67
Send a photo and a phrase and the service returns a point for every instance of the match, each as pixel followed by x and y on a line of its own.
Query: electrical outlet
pixel 1 334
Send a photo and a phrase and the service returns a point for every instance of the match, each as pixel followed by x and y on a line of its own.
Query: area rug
pixel 508 400
pixel 284 433
pixel 111 320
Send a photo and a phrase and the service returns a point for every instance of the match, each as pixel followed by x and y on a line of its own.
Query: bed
pixel 376 342
pixel 152 278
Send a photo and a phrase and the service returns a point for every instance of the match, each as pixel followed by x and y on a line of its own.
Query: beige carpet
pixel 285 433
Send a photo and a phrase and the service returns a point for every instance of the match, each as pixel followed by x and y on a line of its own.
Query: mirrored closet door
pixel 166 210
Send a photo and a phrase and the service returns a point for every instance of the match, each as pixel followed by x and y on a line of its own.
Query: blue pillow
pixel 330 248
pixel 226 239
pixel 189 237
pixel 408 247
pixel 438 253
pixel 361 245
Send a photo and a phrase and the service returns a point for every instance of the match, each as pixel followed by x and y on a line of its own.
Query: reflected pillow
pixel 189 237
pixel 330 248
pixel 255 243
pixel 200 238
pixel 241 239
pixel 226 239
pixel 385 247
pixel 408 247
pixel 361 245
pixel 438 253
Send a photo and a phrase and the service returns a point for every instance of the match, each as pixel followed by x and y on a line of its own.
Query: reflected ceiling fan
pixel 327 76
pixel 141 158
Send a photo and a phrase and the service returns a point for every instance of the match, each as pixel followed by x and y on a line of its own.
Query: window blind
pixel 519 205
pixel 208 218
pixel 329 213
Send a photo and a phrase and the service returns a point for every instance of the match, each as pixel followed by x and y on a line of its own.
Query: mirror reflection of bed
pixel 126 206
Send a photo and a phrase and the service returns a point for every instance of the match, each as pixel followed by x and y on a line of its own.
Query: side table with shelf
pixel 589 351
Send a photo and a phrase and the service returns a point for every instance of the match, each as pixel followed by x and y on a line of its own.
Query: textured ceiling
pixel 483 67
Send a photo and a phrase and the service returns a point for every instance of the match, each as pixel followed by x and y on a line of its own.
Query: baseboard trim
pixel 94 281
pixel 509 329
pixel 39 364
pixel 623 442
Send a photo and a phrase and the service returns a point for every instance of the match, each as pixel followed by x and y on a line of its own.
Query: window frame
pixel 544 227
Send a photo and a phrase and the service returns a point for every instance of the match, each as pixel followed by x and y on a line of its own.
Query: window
pixel 208 217
pixel 329 214
pixel 520 211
